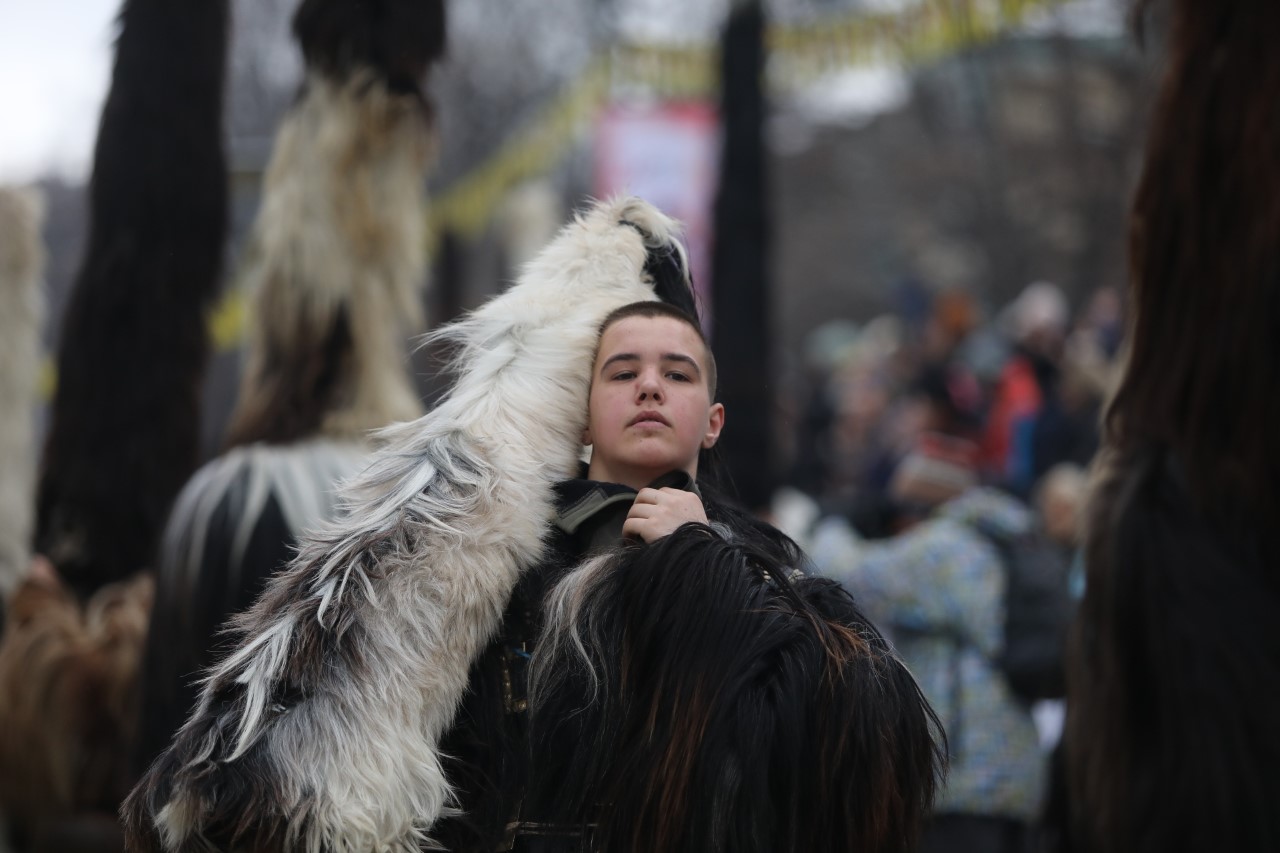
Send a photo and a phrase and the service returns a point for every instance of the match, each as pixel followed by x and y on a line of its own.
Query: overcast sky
pixel 55 65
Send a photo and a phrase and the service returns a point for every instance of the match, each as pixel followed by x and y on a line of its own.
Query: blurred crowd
pixel 1016 396
pixel 942 468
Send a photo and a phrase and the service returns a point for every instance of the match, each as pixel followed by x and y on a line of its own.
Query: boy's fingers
pixel 639 510
pixel 637 527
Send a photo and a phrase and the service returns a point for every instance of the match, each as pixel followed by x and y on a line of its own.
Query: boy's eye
pixel 624 375
pixel 677 376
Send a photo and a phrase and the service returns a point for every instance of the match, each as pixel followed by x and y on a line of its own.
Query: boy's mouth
pixel 649 417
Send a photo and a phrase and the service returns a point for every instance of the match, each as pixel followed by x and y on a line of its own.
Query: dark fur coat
pixel 696 694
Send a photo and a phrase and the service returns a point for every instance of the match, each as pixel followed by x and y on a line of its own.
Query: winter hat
pixel 1040 307
pixel 939 468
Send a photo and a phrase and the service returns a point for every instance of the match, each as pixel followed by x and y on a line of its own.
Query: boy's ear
pixel 715 423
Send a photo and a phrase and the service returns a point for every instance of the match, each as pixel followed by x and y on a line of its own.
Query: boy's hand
pixel 658 512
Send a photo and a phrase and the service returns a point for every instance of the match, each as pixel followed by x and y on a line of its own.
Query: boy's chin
pixel 659 465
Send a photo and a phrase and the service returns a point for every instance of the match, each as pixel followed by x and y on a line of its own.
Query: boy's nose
pixel 650 388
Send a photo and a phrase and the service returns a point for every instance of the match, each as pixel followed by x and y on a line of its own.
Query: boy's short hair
pixel 652 309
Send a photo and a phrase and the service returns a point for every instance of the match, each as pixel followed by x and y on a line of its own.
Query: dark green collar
pixel 579 500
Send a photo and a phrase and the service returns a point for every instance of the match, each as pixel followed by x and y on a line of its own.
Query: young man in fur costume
pixel 375 695
pixel 651 414
pixel 321 729
pixel 689 690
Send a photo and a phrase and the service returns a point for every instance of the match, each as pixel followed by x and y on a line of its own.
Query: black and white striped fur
pixel 319 731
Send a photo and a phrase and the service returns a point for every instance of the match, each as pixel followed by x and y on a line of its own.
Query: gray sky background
pixel 55 65
pixel 55 61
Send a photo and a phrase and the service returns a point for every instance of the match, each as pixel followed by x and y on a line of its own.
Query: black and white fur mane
pixel 319 731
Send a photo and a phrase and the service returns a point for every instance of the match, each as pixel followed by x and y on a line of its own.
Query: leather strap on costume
pixel 576 834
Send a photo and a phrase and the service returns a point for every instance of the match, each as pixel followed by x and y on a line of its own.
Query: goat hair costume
pixel 320 730
pixel 698 695
pixel 335 268
pixel 1171 740
pixel 133 342
pixel 68 704
pixel 337 257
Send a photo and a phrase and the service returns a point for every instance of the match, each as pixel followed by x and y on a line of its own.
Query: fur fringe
pixel 396 39
pixel 692 695
pixel 124 424
pixel 235 523
pixel 68 708
pixel 336 266
pixel 319 731
pixel 1174 663
pixel 21 273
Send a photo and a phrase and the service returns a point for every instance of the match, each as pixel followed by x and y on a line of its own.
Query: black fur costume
pixel 737 705
pixel 124 424
pixel 1171 740
pixel 317 330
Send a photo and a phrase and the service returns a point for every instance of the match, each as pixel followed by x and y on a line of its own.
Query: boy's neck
pixel 633 478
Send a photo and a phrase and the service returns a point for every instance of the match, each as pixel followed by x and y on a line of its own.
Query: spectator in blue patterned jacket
pixel 938 587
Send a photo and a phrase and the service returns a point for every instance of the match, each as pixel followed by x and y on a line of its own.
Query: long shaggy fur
pixel 1171 738
pixel 1204 253
pixel 694 695
pixel 339 252
pixel 1171 730
pixel 67 704
pixel 336 266
pixel 396 39
pixel 319 731
pixel 21 271
pixel 235 523
pixel 124 428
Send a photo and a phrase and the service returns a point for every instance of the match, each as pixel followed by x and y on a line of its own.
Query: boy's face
pixel 650 410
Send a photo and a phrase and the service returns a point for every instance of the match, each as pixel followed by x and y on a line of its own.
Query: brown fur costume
pixel 67 703
pixel 1172 741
